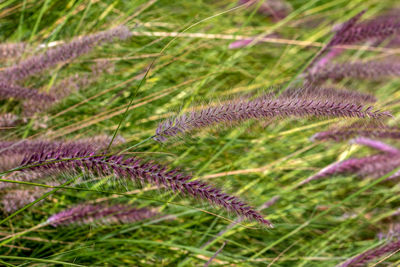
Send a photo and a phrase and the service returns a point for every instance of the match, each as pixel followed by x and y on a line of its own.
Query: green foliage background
pixel 320 224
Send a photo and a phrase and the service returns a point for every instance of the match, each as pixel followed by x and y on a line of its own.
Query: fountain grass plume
pixel 12 153
pixel 375 144
pixel 367 256
pixel 335 40
pixel 137 170
pixel 62 53
pixel 371 70
pixel 11 50
pixel 17 198
pixel 65 87
pixel 338 94
pixel 341 29
pixel 346 166
pixel 373 166
pixel 370 129
pixel 8 90
pixel 100 214
pixel 378 28
pixel 28 147
pixel 264 107
pixel 350 32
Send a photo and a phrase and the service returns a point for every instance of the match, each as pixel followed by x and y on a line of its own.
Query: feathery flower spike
pixel 378 28
pixel 62 53
pixel 66 87
pixel 336 94
pixel 260 108
pixel 376 145
pixel 13 91
pixel 12 154
pixel 340 30
pixel 371 254
pixel 15 199
pixel 136 170
pixel 374 166
pixel 100 213
pixel 10 50
pixel 28 147
pixel 358 129
pixel 358 70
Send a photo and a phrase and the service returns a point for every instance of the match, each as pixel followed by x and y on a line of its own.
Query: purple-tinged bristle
pixel 12 153
pixel 375 144
pixel 26 176
pixel 100 213
pixel 321 63
pixel 8 120
pixel 64 88
pixel 143 172
pixel 10 50
pixel 358 70
pixel 378 28
pixel 29 147
pixel 342 29
pixel 276 9
pixel 367 256
pixel 17 198
pixel 358 129
pixel 20 93
pixel 330 93
pixel 345 27
pixel 266 205
pixel 62 53
pixel 260 108
pixel 373 166
pixel 392 233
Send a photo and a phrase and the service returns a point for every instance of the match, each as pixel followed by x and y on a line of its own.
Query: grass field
pixel 178 58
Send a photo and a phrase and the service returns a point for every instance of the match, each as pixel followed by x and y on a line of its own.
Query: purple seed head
pixel 62 53
pixel 357 70
pixel 100 214
pixel 14 91
pixel 375 144
pixel 263 107
pixel 358 129
pixel 17 198
pixel 333 94
pixel 133 168
pixel 373 166
pixel 378 28
pixel 11 50
pixel 369 255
